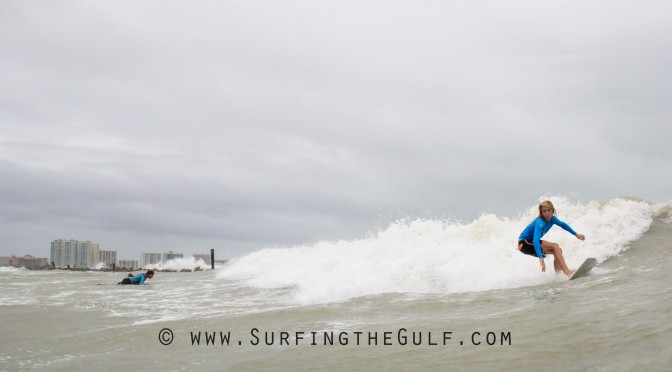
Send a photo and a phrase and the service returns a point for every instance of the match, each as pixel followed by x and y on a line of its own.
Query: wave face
pixel 442 256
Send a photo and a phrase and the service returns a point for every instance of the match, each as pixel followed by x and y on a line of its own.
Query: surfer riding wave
pixel 530 242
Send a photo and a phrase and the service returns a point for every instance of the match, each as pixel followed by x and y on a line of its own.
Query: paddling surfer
pixel 138 279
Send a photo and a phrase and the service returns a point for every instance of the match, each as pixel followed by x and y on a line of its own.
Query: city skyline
pixel 73 253
pixel 46 251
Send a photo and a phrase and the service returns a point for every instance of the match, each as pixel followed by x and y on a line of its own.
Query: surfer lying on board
pixel 138 279
pixel 530 241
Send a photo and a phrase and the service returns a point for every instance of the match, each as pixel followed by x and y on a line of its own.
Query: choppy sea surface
pixel 417 295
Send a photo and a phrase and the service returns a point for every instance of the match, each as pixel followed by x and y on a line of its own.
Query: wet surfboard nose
pixel 585 267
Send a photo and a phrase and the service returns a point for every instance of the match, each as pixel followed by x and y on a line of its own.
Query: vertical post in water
pixel 212 258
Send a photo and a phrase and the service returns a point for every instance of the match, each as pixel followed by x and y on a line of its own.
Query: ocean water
pixel 418 294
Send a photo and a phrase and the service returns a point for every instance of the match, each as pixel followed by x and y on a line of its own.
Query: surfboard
pixel 585 267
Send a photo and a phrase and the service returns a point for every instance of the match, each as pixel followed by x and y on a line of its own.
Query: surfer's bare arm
pixel 580 236
pixel 543 265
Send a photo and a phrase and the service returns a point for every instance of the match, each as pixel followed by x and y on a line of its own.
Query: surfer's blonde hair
pixel 546 204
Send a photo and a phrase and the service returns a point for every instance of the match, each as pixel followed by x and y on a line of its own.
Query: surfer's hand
pixel 580 236
pixel 543 265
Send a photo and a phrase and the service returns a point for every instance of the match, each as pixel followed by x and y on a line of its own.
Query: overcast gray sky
pixel 150 126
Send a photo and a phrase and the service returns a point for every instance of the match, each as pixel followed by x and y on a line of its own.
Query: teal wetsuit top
pixel 138 279
pixel 538 228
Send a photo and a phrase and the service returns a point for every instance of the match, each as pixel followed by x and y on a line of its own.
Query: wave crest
pixel 441 256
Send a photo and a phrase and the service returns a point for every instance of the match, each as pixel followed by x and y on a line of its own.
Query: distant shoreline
pixel 119 270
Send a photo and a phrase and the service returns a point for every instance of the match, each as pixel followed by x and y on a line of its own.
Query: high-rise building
pixel 171 256
pixel 149 258
pixel 128 264
pixel 108 257
pixel 74 253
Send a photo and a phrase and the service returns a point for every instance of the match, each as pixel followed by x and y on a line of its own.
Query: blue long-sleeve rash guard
pixel 538 228
pixel 139 279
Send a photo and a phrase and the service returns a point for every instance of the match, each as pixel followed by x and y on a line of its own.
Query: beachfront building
pixel 108 257
pixel 128 264
pixel 203 256
pixel 27 261
pixel 149 259
pixel 74 253
pixel 171 256
pixel 30 262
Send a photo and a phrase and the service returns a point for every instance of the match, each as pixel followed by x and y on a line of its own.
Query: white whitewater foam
pixel 438 256
pixel 179 264
pixel 11 269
